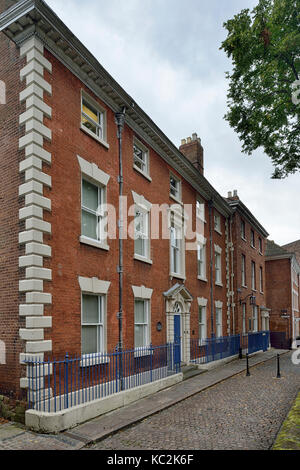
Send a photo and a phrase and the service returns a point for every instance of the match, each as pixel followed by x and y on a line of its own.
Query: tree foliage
pixel 264 85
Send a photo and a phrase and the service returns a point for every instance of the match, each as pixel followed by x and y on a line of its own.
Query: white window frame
pixel 260 245
pixel 201 248
pixel 218 268
pixel 261 279
pixel 143 207
pixel 243 229
pixel 146 325
pixel 98 288
pixel 142 293
pixel 202 325
pixel 177 226
pixel 91 173
pixel 219 317
pixel 200 209
pixel 243 270
pixel 178 196
pixel 100 136
pixel 255 318
pixel 217 222
pixel 145 172
pixel 253 275
pixel 252 238
pixel 100 325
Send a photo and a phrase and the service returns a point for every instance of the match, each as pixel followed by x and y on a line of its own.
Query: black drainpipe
pixel 210 206
pixel 120 121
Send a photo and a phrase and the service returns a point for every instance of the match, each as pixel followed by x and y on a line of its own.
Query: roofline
pixel 239 206
pixel 34 17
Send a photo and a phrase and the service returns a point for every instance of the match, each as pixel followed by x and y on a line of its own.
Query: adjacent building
pixel 282 283
pixel 250 312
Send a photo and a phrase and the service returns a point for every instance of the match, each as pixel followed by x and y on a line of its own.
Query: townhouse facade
pixel 249 277
pixel 282 282
pixel 65 128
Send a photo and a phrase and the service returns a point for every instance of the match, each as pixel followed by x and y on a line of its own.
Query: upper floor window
pixel 243 270
pixel 92 215
pixel 177 261
pixel 253 275
pixel 252 240
pixel 260 245
pixel 141 228
pixel 243 229
pixel 200 209
pixel 93 118
pixel 175 188
pixel 217 222
pixel 218 265
pixel 141 158
pixel 201 258
pixel 261 281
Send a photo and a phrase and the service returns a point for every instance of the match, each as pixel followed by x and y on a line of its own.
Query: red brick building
pixel 250 312
pixel 282 283
pixel 61 273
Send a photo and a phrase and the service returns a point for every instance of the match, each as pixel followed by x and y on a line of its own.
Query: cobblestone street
pixel 239 413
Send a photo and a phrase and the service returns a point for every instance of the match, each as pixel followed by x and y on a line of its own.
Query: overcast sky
pixel 165 54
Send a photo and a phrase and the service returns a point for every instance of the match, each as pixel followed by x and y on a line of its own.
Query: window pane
pixel 90 311
pixel 139 336
pixel 90 196
pixel 89 225
pixel 139 247
pixel 89 339
pixel 92 112
pixel 140 312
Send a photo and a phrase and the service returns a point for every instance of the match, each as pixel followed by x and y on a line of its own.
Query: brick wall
pixel 71 259
pixel 10 131
pixel 243 247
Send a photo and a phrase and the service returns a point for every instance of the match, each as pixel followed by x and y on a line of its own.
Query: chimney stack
pixel 234 196
pixel 193 151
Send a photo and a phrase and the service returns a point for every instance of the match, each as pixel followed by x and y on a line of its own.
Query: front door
pixel 177 339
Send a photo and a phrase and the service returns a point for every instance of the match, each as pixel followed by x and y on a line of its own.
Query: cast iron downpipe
pixel 210 206
pixel 120 121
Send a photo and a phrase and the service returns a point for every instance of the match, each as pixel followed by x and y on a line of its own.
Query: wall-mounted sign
pixel 159 326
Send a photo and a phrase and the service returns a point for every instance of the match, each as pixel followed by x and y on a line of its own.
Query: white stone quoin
pixel 33 284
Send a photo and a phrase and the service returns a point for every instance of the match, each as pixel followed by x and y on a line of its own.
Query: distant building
pixel 282 286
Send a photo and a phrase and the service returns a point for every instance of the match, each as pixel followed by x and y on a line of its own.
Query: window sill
pixel 252 246
pixel 245 239
pixel 202 278
pixel 260 253
pixel 143 352
pixel 94 243
pixel 244 287
pixel 91 134
pixel 219 284
pixel 218 231
pixel 201 219
pixel 178 276
pixel 175 199
pixel 145 175
pixel 94 360
pixel 144 260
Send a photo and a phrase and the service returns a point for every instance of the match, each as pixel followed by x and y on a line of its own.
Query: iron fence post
pixel 278 367
pixel 247 360
pixel 67 381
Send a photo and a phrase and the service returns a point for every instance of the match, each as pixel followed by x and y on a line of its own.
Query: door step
pixel 190 371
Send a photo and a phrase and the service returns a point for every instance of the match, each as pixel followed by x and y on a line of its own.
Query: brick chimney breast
pixel 192 149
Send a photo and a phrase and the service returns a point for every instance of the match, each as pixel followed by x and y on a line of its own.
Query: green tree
pixel 264 85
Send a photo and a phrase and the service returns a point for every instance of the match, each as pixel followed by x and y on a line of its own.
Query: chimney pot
pixel 235 193
pixel 229 194
pixel 194 136
pixel 189 140
pixel 183 141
